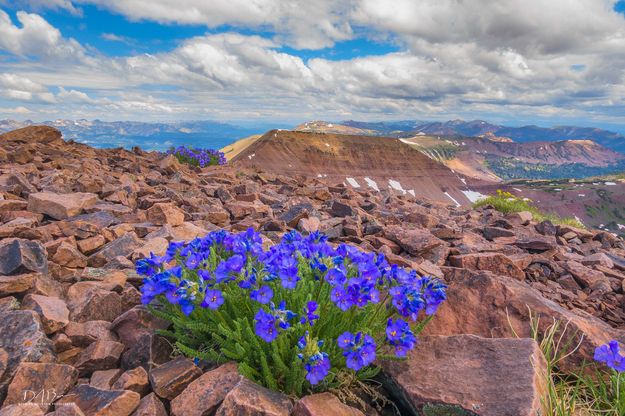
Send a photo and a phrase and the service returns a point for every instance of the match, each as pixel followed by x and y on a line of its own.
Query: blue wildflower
pixel 265 326
pixel 213 299
pixel 359 349
pixel 610 355
pixel 262 295
pixel 309 311
pixel 399 335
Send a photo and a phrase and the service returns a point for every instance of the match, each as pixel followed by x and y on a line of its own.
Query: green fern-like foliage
pixel 227 331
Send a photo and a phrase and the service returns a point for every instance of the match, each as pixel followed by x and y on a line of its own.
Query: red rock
pixel 122 246
pixel 309 225
pixel 491 377
pixel 89 302
pixel 70 410
pixel 22 256
pixel 537 243
pixel 40 383
pixel 4 362
pixel 32 134
pixel 135 380
pixel 21 283
pixel 598 259
pixel 522 217
pixel 138 321
pixel 165 213
pixel 23 339
pixel 414 241
pixel 170 379
pixel 150 405
pixel 104 379
pixel 205 394
pixel 216 215
pixel 60 206
pixel 7 205
pixel 323 404
pixel 101 355
pixel 96 402
pixel 87 225
pixel 340 209
pixel 91 244
pixel 84 333
pixel 157 246
pixel 52 311
pixel 248 398
pixel 170 164
pixel 21 410
pixel 69 256
pixel 489 306
pixel 586 276
pixel 492 262
pixel 150 350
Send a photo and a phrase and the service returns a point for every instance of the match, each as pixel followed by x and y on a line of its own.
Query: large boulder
pixel 487 305
pixel 485 376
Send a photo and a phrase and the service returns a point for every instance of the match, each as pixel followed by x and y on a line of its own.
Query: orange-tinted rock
pixel 206 393
pixel 150 405
pixel 17 284
pixel 157 246
pixel 170 379
pixel 91 244
pixel 414 241
pixel 104 379
pixel 491 377
pixel 586 276
pixel 23 339
pixel 21 410
pixel 487 305
pixel 69 256
pixel 122 246
pixel 88 301
pixel 40 383
pixel 96 402
pixel 84 333
pixel 323 404
pixel 60 206
pixel 492 262
pixel 101 355
pixel 52 311
pixel 250 399
pixel 165 213
pixel 135 380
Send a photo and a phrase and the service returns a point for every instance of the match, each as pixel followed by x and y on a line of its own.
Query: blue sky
pixel 524 61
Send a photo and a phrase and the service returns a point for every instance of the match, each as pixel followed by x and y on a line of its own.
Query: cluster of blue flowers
pixel 610 355
pixel 209 271
pixel 198 157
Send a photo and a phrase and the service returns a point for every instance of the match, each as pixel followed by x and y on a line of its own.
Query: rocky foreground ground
pixel 75 340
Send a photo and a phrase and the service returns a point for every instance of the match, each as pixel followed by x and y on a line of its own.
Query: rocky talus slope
pixel 74 339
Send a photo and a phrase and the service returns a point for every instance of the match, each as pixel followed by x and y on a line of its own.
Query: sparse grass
pixel 563 396
pixel 507 203
pixel 583 393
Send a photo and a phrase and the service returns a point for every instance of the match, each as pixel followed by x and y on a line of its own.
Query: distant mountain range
pixel 149 136
pixel 475 128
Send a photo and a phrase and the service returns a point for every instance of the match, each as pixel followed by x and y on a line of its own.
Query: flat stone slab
pixel 483 376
